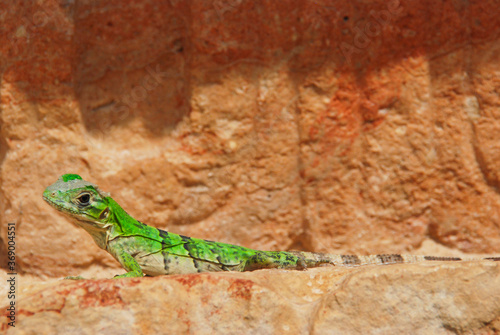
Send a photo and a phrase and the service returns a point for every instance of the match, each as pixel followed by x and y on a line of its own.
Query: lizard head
pixel 79 199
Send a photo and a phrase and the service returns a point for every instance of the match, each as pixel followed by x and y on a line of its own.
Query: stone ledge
pixel 430 298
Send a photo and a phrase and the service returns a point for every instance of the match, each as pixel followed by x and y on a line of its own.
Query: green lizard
pixel 142 249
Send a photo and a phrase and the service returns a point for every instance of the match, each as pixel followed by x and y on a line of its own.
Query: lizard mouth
pixel 76 217
pixel 57 205
pixel 53 203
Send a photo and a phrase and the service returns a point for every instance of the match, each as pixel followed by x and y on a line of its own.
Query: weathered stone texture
pixel 336 126
pixel 401 299
pixel 323 125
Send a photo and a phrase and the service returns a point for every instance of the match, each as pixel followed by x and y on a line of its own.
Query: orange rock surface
pixel 324 125
pixel 401 299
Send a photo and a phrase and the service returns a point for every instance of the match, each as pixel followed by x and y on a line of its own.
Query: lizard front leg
pixel 126 260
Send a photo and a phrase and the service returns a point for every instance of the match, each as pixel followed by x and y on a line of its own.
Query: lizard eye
pixel 84 199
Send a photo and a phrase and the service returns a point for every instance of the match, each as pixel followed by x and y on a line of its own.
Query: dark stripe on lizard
pixel 495 259
pixel 166 260
pixel 438 258
pixel 164 237
pixel 138 224
pixel 163 234
pixel 350 259
pixel 185 238
pixel 187 245
pixel 196 265
pixel 390 258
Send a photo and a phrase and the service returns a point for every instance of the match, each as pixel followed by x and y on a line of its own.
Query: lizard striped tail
pixel 313 259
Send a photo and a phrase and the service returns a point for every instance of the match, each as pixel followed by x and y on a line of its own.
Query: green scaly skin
pixel 142 249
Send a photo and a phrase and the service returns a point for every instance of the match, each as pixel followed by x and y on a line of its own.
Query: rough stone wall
pixel 340 126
